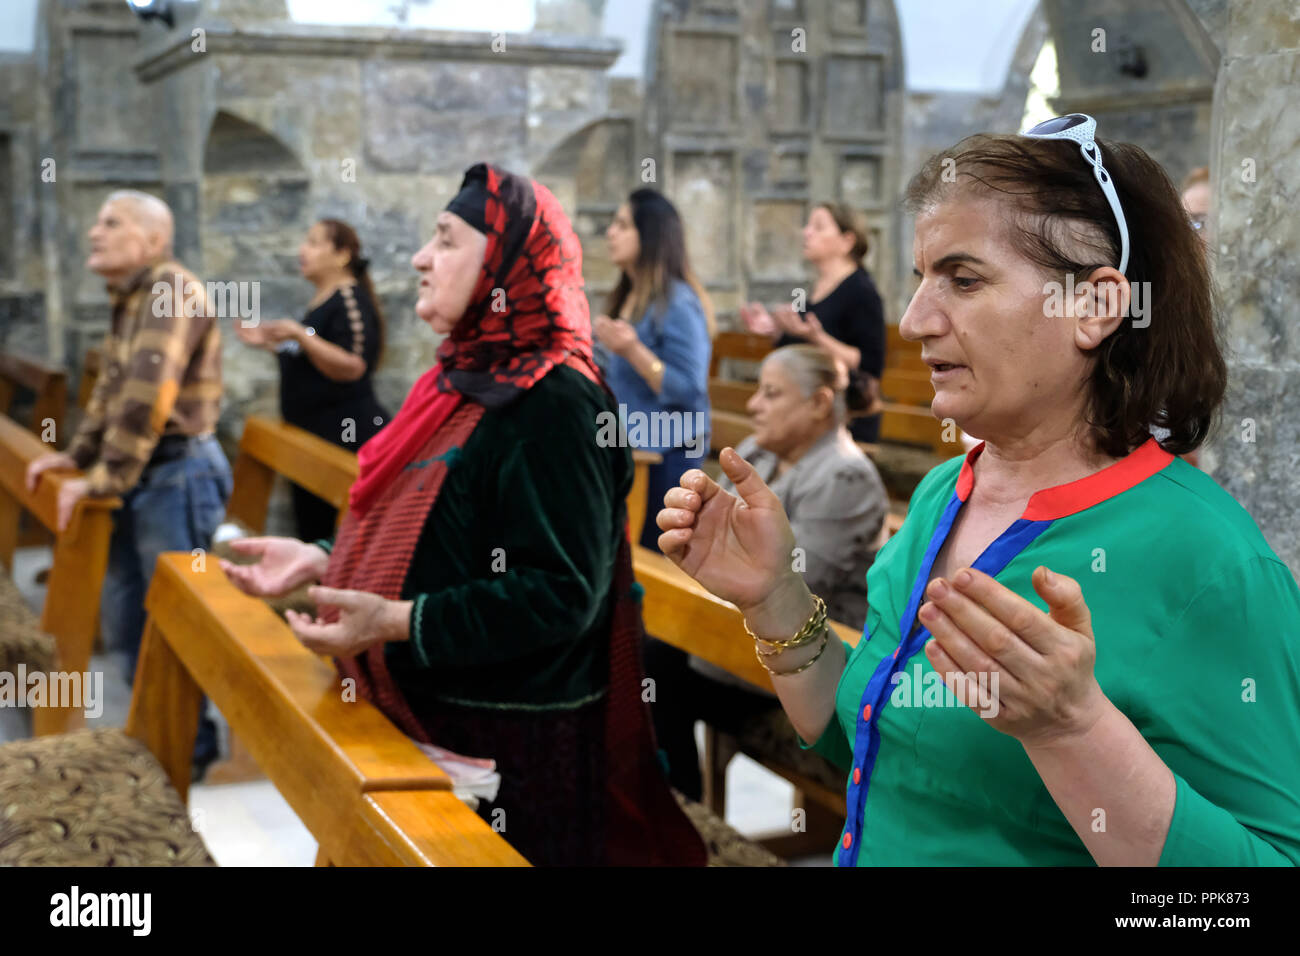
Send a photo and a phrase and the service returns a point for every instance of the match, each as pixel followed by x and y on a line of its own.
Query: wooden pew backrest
pixel 269 448
pixel 48 384
pixel 899 352
pixel 364 790
pixel 71 612
pixel 639 508
pixel 286 703
pixel 679 611
pixel 743 346
pixel 727 396
pixel 426 828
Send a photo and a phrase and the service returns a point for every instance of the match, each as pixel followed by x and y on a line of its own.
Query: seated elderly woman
pixel 480 589
pixel 1079 647
pixel 836 505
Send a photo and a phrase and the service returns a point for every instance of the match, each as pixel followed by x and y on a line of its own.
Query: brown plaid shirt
pixel 160 375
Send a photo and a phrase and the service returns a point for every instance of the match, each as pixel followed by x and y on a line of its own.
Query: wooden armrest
pixel 426 829
pixel 284 702
pixel 18 449
pixel 269 448
pixel 679 611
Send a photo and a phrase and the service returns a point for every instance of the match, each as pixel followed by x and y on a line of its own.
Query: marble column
pixel 1255 232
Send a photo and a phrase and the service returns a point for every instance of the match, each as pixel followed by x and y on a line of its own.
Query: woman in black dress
pixel 327 359
pixel 844 315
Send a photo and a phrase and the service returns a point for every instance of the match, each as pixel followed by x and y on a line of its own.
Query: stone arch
pixel 591 171
pixel 236 146
pixel 1153 85
pixel 256 205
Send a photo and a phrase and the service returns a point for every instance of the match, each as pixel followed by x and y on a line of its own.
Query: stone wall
pixel 1255 231
pixel 756 111
pixel 1148 78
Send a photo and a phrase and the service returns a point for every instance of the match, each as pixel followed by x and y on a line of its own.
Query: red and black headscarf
pixel 527 314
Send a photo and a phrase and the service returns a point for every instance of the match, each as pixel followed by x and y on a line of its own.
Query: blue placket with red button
pixel 866 740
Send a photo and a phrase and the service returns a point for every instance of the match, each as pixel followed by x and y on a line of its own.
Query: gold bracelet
pixel 805 635
pixel 826 633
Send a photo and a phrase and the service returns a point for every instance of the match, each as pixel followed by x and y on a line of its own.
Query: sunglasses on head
pixel 1081 128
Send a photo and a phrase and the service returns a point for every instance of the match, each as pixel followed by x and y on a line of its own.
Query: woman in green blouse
pixel 1078 648
pixel 480 588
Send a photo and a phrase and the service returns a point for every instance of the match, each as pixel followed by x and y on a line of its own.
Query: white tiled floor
pixel 250 824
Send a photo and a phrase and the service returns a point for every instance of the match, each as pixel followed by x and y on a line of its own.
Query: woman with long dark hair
pixel 844 315
pixel 327 359
pixel 658 329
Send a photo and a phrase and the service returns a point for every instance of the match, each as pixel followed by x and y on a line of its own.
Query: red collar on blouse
pixel 1075 496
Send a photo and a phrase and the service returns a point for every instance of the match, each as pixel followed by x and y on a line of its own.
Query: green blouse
pixel 512 576
pixel 1197 624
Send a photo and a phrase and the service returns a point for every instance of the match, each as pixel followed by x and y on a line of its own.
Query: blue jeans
pixel 175 506
pixel 659 479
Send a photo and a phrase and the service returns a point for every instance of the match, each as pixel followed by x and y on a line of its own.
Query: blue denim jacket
pixel 677 332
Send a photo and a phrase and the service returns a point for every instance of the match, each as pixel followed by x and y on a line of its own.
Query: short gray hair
pixel 813 368
pixel 149 211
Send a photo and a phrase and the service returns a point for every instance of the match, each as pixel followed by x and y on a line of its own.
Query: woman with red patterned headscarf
pixel 480 590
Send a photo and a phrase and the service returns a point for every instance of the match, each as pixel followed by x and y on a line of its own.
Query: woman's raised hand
pixel 757 319
pixel 286 563
pixel 740 548
pixel 254 335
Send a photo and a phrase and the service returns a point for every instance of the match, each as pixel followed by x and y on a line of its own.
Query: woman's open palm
pixel 286 563
pixel 739 547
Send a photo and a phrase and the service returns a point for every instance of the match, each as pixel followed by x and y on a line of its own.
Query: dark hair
pixel 1171 373
pixel 848 219
pixel 344 238
pixel 662 258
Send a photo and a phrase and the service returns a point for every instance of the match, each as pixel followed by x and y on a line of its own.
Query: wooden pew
pixel 742 346
pixel 268 448
pixel 48 384
pixel 899 352
pixel 679 611
pixel 49 387
pixel 727 396
pixel 907 386
pixel 71 612
pixel 636 498
pixel 364 790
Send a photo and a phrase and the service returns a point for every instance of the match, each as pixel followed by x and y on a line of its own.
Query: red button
pixel 866 712
pixel 848 840
pixel 857 775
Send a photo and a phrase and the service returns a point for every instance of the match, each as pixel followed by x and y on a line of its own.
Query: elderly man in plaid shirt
pixel 147 435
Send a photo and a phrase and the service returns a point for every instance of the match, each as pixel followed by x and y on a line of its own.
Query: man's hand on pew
pixel 54 461
pixel 70 492
pixel 286 563
pixel 348 622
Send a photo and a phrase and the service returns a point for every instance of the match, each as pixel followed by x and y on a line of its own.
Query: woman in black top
pixel 326 360
pixel 845 316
